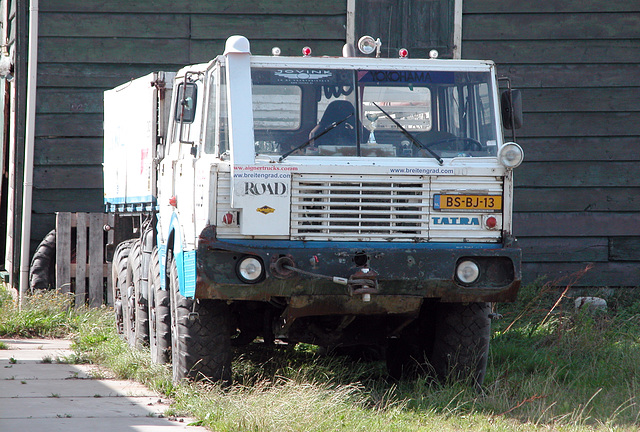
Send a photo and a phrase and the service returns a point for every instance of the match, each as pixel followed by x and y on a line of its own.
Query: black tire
pixel 128 297
pixel 159 314
pixel 461 342
pixel 42 272
pixel 136 309
pixel 200 334
pixel 141 299
pixel 119 281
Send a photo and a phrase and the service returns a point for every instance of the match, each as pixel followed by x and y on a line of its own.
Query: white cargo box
pixel 132 113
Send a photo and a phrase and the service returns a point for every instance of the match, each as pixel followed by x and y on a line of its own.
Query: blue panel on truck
pixel 188 281
pixel 162 255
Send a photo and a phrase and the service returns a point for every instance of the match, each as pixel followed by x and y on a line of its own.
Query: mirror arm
pixel 512 119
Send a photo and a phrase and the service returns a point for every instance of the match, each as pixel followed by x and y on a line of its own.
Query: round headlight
pixel 467 272
pixel 250 269
pixel 511 155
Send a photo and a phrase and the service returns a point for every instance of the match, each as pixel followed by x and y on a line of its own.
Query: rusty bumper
pixel 301 269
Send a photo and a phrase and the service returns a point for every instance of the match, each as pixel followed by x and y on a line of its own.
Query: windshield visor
pixel 373 113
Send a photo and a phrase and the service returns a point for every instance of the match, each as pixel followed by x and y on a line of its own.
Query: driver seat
pixel 344 133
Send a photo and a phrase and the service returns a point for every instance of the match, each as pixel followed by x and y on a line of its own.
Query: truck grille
pixel 359 208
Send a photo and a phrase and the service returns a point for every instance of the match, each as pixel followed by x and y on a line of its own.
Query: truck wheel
pixel 42 273
pixel 119 281
pixel 136 313
pixel 200 334
pixel 159 314
pixel 141 298
pixel 461 343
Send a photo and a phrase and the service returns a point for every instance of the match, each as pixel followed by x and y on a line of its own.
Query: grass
pixel 44 314
pixel 551 369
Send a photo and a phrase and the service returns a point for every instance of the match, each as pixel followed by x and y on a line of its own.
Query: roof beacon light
pixel 367 45
pixel 433 54
pixel 306 51
pixel 403 53
pixel 276 51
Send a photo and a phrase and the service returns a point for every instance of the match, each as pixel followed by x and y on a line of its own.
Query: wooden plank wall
pixel 87 46
pixel 418 25
pixel 578 192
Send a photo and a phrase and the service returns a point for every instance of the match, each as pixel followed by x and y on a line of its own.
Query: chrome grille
pixel 359 208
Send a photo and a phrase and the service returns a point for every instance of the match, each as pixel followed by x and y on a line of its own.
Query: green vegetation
pixel 551 369
pixel 44 314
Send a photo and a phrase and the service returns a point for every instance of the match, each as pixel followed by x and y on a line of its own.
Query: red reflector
pixel 491 222
pixel 403 53
pixel 306 51
pixel 173 201
pixel 227 219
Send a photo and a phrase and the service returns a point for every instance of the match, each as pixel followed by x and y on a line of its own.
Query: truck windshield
pixel 338 112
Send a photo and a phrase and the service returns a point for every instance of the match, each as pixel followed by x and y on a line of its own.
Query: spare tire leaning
pixel 42 273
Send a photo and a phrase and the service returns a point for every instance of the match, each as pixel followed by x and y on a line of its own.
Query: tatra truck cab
pixel 341 202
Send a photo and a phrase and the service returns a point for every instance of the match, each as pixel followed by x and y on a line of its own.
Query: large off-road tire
pixel 461 342
pixel 42 272
pixel 119 281
pixel 138 309
pixel 128 295
pixel 159 314
pixel 200 334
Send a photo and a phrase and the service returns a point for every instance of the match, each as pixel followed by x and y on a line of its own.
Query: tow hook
pixel 283 267
pixel 363 282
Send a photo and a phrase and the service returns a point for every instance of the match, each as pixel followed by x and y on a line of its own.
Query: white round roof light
pixel 367 45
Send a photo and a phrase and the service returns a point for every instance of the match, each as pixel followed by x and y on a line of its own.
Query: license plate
pixel 467 202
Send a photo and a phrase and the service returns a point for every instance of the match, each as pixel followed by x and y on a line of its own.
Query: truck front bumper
pixel 300 269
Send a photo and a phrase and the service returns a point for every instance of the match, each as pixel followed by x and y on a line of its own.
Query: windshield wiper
pixel 303 145
pixel 408 134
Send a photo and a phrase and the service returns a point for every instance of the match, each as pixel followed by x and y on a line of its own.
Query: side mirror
pixel 511 104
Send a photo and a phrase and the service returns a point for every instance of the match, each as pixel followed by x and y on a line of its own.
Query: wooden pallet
pixel 80 262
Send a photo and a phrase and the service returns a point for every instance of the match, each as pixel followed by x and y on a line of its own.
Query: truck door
pixel 177 168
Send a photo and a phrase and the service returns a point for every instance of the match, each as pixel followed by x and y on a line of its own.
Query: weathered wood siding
pixel 87 46
pixel 417 25
pixel 577 195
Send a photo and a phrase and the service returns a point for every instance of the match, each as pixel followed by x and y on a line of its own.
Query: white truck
pixel 335 201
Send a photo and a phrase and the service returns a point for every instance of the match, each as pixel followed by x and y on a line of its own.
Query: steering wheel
pixel 470 144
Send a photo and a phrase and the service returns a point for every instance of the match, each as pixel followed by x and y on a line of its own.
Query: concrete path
pixel 37 394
